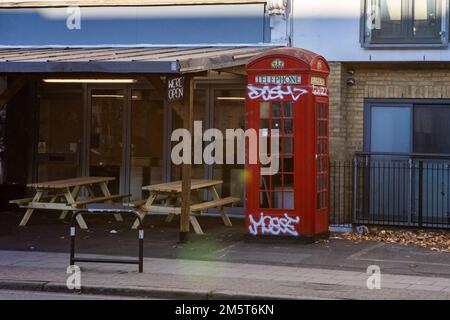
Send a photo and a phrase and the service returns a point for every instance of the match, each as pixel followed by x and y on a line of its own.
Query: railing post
pixel 420 195
pixel 355 188
pixel 411 195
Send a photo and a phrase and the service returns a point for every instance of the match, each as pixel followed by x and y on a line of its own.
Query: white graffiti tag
pixel 274 92
pixel 274 225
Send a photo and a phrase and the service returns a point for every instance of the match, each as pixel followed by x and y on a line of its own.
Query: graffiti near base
pixel 274 92
pixel 273 225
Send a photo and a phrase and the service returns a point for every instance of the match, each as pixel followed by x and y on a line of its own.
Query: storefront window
pixel 147 128
pixel 229 113
pixel 198 170
pixel 59 133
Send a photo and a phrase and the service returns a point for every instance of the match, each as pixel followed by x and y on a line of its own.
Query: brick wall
pixel 376 80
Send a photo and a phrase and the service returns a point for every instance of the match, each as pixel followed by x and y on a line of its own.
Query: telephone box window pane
pixel 288 200
pixel 264 124
pixel 264 110
pixel 276 124
pixel 288 181
pixel 288 146
pixel 288 165
pixel 264 200
pixel 276 109
pixel 276 181
pixel 288 110
pixel 277 200
pixel 264 183
pixel 288 127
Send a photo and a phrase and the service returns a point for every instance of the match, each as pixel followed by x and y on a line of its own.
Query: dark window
pixel 407 127
pixel 431 129
pixel 405 22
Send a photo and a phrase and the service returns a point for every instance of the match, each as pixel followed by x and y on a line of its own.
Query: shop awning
pixel 126 60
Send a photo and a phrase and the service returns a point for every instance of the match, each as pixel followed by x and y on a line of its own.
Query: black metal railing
pixel 402 189
pixel 341 186
pixel 398 189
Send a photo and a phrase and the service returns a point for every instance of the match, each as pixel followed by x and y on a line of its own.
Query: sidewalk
pixel 194 279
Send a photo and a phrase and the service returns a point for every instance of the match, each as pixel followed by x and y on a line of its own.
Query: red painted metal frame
pixel 313 219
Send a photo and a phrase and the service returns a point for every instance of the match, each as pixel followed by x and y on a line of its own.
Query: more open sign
pixel 175 89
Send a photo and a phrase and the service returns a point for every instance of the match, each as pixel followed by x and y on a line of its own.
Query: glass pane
pixel 288 181
pixel 276 181
pixel 288 200
pixel 288 109
pixel 106 135
pixel 288 164
pixel 288 145
pixel 277 200
pixel 386 18
pixel 59 132
pixel 390 129
pixel 230 114
pixel 198 171
pixel 147 127
pixel 264 110
pixel 288 126
pixel 426 18
pixel 276 109
pixel 431 129
pixel 264 199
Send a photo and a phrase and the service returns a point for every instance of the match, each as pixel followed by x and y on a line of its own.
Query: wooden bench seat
pixel 100 199
pixel 135 204
pixel 214 203
pixel 26 201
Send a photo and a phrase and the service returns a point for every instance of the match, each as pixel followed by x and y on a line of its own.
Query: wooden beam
pixel 188 106
pixel 11 91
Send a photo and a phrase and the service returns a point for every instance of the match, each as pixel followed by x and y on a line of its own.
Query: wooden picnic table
pixel 64 195
pixel 170 194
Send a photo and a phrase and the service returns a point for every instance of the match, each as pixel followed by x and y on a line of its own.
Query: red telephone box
pixel 287 90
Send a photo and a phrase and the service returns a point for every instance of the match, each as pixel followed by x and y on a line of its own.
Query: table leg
pixel 195 224
pixel 170 216
pixel 106 193
pixel 143 213
pixel 29 211
pixel 223 214
pixel 75 192
pixel 70 200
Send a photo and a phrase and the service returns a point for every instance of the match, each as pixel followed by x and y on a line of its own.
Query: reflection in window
pixel 404 22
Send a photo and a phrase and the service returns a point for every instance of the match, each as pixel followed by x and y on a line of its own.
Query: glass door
pixel 107 155
pixel 147 141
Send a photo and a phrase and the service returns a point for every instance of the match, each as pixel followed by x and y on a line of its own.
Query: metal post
pixel 420 195
pixel 355 187
pixel 411 196
pixel 72 245
pixel 187 167
pixel 141 248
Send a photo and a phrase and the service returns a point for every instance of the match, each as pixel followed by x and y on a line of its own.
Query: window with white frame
pixel 404 22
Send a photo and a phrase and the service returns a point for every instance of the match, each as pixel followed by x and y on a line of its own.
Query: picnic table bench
pixel 170 194
pixel 64 195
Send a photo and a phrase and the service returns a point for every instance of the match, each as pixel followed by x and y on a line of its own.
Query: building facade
pixel 390 70
pixel 87 75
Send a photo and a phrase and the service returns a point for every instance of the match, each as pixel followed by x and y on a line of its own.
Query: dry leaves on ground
pixel 438 241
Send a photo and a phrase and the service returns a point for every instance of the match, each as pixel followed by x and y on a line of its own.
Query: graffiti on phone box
pixel 274 92
pixel 273 225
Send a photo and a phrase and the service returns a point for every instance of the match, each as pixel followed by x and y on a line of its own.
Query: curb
pixel 147 292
